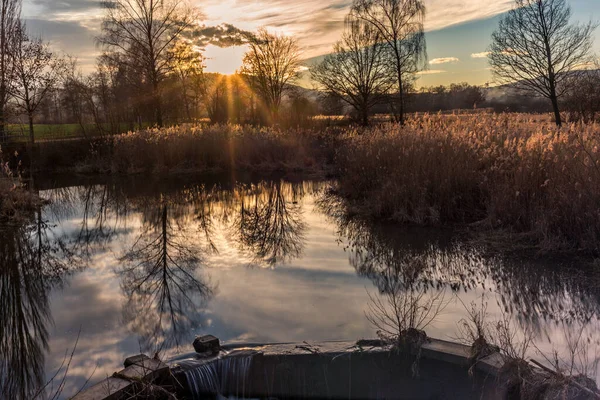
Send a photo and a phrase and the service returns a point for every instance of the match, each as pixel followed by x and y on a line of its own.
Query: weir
pixel 363 370
pixel 367 369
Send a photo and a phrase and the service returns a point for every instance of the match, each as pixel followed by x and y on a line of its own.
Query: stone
pixel 117 387
pixel 129 361
pixel 207 344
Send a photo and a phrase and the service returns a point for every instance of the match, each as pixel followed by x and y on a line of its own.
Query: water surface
pixel 120 267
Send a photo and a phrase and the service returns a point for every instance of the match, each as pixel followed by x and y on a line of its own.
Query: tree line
pixel 151 69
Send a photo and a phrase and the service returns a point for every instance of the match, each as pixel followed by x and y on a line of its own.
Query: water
pixel 213 377
pixel 144 265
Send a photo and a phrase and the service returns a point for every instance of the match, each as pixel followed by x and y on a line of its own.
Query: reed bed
pixel 504 172
pixel 205 148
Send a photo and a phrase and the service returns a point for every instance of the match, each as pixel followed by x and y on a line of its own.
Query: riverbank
pixel 511 178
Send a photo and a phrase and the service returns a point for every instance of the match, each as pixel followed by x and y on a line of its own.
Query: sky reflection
pixel 144 267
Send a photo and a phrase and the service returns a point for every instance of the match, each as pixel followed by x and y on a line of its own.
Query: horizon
pixel 458 31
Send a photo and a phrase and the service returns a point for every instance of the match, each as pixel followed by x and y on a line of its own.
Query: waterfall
pixel 225 376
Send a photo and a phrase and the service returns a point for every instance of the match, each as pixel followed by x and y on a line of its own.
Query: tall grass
pixel 198 148
pixel 502 171
pixel 15 201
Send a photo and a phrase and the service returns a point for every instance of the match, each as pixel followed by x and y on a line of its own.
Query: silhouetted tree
pixel 37 70
pixel 141 33
pixel 271 63
pixel 582 96
pixel 10 19
pixel 188 65
pixel 358 71
pixel 400 25
pixel 535 48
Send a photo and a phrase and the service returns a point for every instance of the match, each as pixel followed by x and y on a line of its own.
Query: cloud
pixel 223 35
pixel 444 60
pixel 317 24
pixel 431 72
pixel 67 6
pixel 483 54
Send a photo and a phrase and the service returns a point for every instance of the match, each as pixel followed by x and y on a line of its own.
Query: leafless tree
pixel 37 70
pixel 188 65
pixel 582 95
pixel 358 71
pixel 272 62
pixel 10 11
pixel 400 24
pixel 142 33
pixel 535 48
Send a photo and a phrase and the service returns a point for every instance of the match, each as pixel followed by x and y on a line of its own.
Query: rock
pixel 133 360
pixel 207 344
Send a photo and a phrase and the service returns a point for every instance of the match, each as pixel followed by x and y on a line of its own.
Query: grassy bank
pixel 507 173
pixel 190 148
pixel 514 174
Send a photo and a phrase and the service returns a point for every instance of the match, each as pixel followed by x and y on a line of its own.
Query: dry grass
pixel 205 148
pixel 15 200
pixel 505 172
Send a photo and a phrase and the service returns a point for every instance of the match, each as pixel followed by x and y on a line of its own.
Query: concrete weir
pixel 351 370
pixel 367 369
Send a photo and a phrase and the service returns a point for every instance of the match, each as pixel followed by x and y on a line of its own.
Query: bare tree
pixel 188 65
pixel 37 70
pixel 272 62
pixel 400 24
pixel 10 11
pixel 142 33
pixel 358 71
pixel 535 48
pixel 582 95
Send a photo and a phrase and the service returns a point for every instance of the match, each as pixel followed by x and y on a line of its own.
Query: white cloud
pixel 444 60
pixel 483 54
pixel 431 72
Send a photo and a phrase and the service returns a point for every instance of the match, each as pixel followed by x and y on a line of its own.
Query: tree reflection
pixel 165 298
pixel 532 292
pixel 270 223
pixel 32 262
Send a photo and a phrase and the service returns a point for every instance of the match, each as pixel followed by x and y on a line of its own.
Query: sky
pixel 458 31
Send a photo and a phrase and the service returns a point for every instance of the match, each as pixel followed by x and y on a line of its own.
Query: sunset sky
pixel 458 30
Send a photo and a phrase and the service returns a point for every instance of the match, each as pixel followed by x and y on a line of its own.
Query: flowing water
pixel 119 267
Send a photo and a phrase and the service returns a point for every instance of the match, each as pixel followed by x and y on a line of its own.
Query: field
pixel 20 133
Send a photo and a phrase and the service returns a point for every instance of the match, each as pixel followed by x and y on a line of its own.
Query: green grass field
pixel 20 133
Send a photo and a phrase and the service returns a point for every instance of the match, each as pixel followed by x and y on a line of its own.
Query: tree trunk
pixel 557 116
pixel 364 116
pixel 2 124
pixel 400 95
pixel 31 132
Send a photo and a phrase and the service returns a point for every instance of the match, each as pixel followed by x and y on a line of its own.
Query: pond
pixel 112 268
